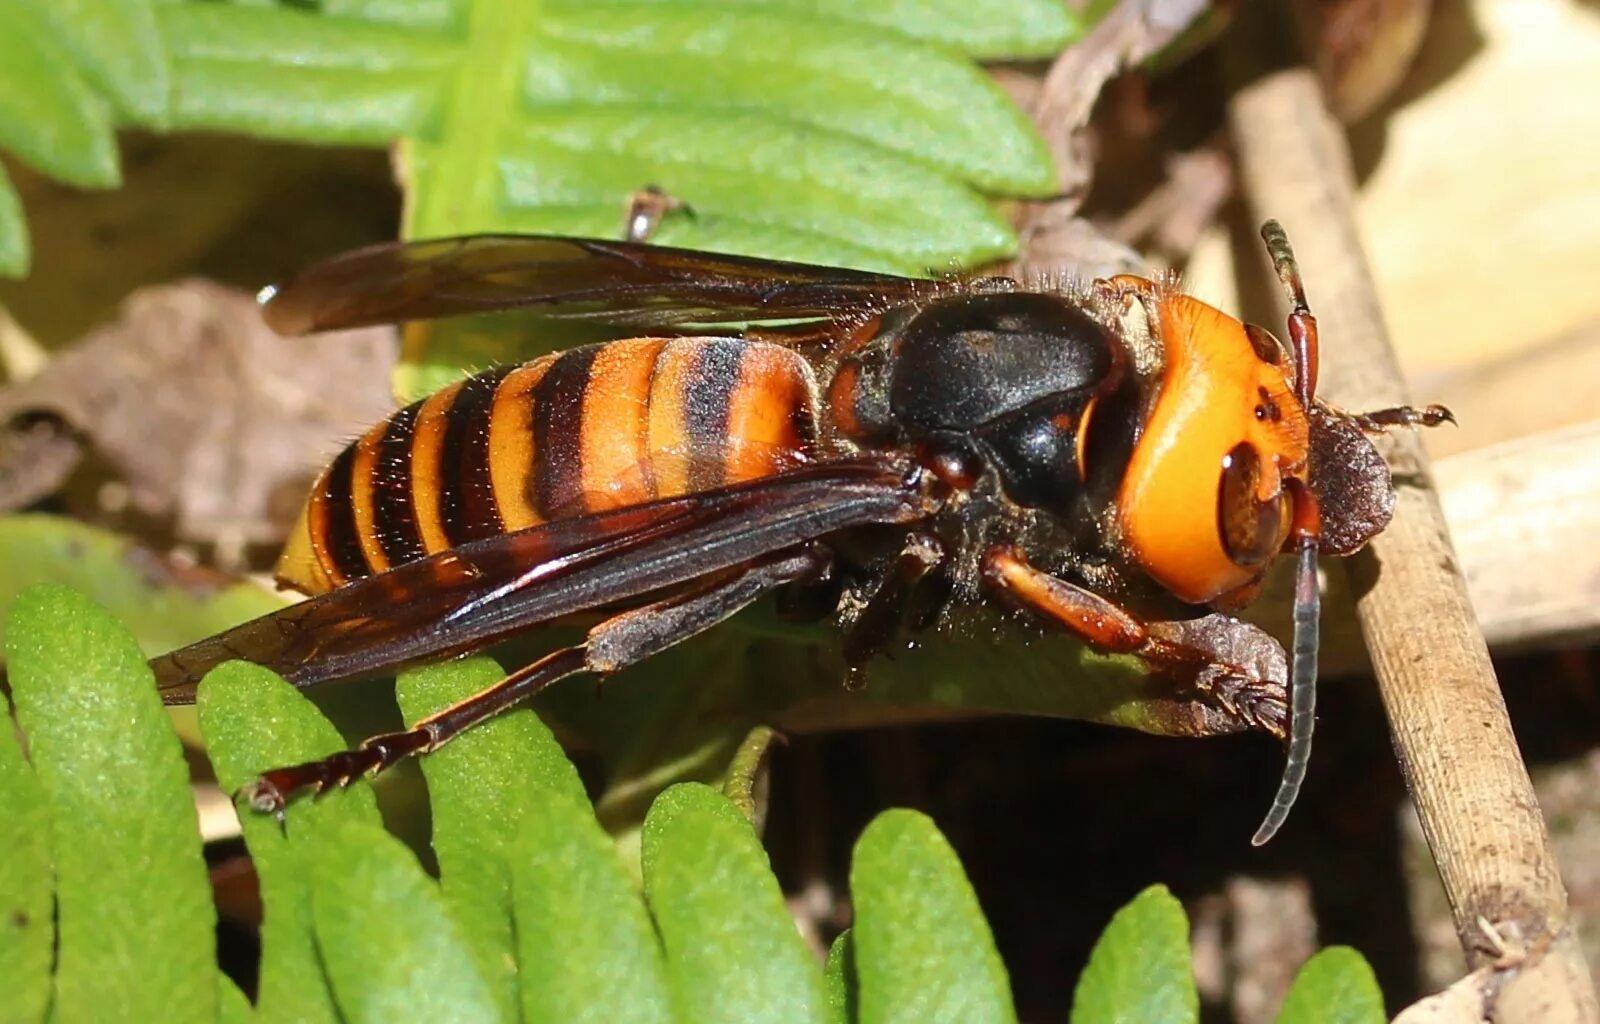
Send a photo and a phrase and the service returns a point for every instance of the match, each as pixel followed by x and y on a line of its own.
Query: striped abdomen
pixel 591 429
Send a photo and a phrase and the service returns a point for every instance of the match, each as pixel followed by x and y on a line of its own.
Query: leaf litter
pixel 202 414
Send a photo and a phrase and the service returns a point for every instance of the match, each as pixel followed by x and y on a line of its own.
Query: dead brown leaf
pixel 1132 31
pixel 1056 243
pixel 208 417
pixel 37 454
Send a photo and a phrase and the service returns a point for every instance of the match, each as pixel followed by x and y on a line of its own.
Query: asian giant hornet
pixel 896 447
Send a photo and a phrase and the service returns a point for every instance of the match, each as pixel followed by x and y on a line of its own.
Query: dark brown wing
pixel 620 282
pixel 469 597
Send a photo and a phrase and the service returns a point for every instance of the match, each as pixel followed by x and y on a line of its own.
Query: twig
pixel 1450 727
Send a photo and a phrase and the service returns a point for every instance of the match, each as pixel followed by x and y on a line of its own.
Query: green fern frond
pixel 535 914
pixel 853 133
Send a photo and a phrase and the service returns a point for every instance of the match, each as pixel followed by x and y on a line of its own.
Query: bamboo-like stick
pixel 1449 723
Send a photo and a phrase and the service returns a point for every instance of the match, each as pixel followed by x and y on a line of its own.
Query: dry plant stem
pixel 1449 722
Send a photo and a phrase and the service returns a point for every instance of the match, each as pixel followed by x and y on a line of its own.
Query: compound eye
pixel 1266 344
pixel 1251 529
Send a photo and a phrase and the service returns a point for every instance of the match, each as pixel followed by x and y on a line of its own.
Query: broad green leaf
pixel 134 913
pixel 801 178
pixel 681 715
pixel 288 73
pixel 314 105
pixel 880 88
pixel 27 926
pixel 116 46
pixel 777 75
pixel 15 251
pixel 876 103
pixel 921 948
pixel 481 785
pixel 791 134
pixel 1140 968
pixel 252 721
pixel 981 28
pixel 391 949
pixel 291 38
pixel 839 979
pixel 440 15
pixel 587 950
pixel 1336 986
pixel 163 608
pixel 49 117
pixel 733 953
pixel 979 666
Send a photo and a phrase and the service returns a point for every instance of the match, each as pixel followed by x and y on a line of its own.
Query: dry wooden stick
pixel 1449 722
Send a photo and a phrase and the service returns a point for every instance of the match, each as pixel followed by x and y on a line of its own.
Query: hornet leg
pixel 1402 416
pixel 611 646
pixel 881 617
pixel 1188 651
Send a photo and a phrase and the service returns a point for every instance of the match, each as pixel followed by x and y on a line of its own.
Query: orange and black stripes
pixel 592 429
pixel 511 467
pixel 340 550
pixel 672 376
pixel 467 509
pixel 558 401
pixel 394 517
pixel 428 457
pixel 705 411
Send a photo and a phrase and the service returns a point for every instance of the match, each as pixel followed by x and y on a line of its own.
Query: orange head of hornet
pixel 1220 471
pixel 1220 482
